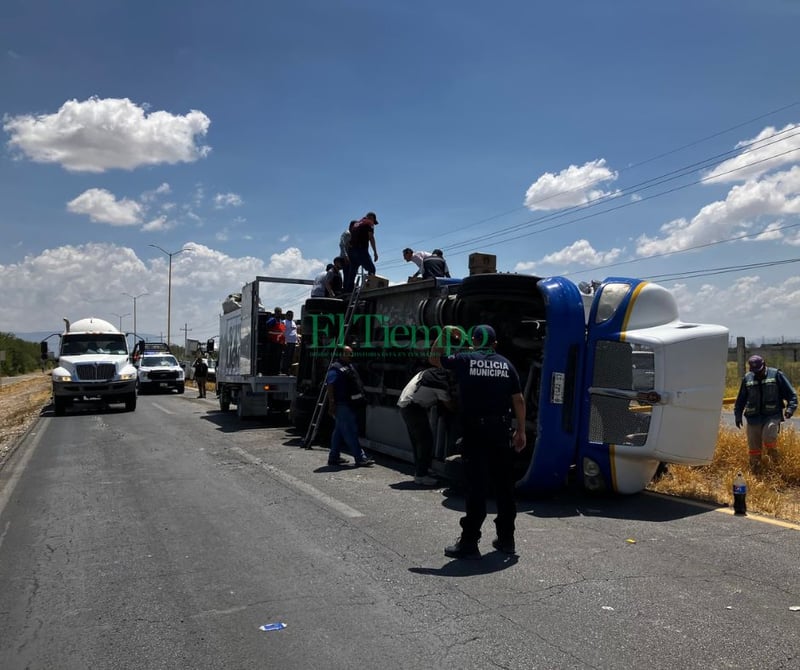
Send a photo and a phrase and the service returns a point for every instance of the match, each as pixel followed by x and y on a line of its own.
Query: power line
pixel 692 274
pixel 626 168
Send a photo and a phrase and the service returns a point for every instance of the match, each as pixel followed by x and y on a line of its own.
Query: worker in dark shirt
pixel 362 237
pixel 435 265
pixel 489 390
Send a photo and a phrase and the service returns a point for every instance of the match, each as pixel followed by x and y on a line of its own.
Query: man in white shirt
pixel 426 389
pixel 290 335
pixel 416 257
pixel 318 289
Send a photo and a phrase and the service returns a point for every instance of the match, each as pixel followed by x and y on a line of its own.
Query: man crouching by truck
pixel 489 389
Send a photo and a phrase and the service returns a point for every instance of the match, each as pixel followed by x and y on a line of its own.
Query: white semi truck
pixel 94 364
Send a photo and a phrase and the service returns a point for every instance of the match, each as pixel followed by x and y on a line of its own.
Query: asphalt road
pixel 164 538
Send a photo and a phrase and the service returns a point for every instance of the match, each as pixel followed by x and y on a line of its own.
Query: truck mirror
pixel 43 349
pixel 210 346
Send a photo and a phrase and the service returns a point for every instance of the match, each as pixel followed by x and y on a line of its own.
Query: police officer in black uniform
pixel 489 389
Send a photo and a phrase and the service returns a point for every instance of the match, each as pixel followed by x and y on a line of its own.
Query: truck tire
pixel 224 400
pixel 130 402
pixel 59 406
pixel 181 388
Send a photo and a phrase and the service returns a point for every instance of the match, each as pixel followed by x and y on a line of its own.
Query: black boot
pixel 462 549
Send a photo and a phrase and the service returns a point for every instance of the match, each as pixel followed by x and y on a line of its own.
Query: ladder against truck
pixel 614 382
pixel 243 375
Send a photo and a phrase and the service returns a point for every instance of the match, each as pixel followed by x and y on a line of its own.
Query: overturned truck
pixel 614 382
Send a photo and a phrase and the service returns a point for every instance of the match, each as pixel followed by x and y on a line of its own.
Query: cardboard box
pixel 413 279
pixel 478 260
pixel 482 271
pixel 375 281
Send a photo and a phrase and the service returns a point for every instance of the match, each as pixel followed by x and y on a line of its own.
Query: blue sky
pixel 252 133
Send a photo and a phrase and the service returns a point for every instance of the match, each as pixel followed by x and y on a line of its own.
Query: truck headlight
pixel 127 376
pixel 61 377
pixel 592 476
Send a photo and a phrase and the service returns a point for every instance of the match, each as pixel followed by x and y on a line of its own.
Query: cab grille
pixel 96 372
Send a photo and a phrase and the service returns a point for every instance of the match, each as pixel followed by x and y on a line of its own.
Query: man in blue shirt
pixel 761 399
pixel 345 393
pixel 489 389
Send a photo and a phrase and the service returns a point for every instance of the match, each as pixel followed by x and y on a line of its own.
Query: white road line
pixel 300 485
pixel 19 466
pixel 163 409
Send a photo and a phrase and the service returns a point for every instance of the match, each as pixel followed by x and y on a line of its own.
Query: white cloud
pixel 745 206
pixel 68 281
pixel 769 149
pixel 102 207
pixel 283 238
pixel 100 134
pixel 160 223
pixel 570 187
pixel 227 200
pixel 163 189
pixel 749 306
pixel 579 252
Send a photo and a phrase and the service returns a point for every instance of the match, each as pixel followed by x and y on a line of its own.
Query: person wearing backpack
pixel 345 395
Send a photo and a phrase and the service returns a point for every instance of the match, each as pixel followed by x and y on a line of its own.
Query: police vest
pixel 354 390
pixel 763 397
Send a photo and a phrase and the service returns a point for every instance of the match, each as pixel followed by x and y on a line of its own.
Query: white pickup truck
pixel 93 364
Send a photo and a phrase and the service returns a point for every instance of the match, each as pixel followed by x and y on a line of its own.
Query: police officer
pixel 761 399
pixel 489 389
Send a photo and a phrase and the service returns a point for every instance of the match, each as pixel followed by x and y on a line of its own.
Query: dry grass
pixel 775 491
pixel 20 403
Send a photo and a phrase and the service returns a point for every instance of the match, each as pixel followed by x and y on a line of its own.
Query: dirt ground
pixel 21 401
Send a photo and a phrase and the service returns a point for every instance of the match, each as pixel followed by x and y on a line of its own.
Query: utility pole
pixel 186 330
pixel 135 298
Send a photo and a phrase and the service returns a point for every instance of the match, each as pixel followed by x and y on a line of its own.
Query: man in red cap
pixel 761 399
pixel 362 237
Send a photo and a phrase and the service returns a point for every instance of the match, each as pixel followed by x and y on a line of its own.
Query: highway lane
pixel 167 536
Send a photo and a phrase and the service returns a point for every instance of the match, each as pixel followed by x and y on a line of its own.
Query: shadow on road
pixel 640 507
pixel 493 561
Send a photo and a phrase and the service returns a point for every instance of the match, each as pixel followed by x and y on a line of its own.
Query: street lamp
pixel 169 282
pixel 121 316
pixel 135 297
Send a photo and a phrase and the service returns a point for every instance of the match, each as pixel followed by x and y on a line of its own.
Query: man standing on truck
pixel 276 339
pixel 290 336
pixel 761 399
pixel 489 389
pixel 362 237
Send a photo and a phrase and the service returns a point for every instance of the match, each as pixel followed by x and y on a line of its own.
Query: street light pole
pixel 135 297
pixel 169 283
